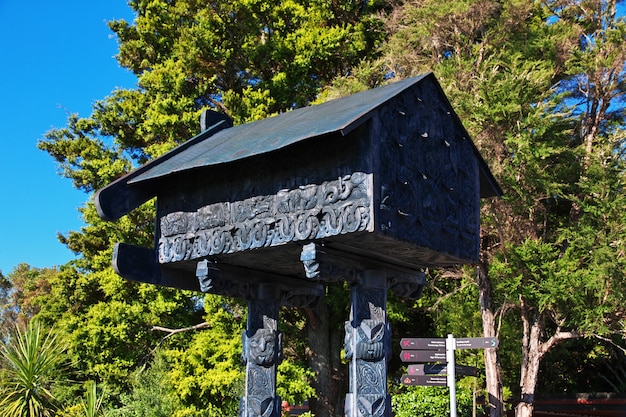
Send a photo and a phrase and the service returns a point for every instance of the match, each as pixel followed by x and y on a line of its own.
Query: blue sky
pixel 56 58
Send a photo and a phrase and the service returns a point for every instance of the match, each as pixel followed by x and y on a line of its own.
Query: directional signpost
pixel 430 380
pixel 476 343
pixel 423 356
pixel 440 369
pixel 442 351
pixel 420 343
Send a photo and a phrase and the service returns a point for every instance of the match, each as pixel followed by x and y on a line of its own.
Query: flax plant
pixel 30 362
pixel 92 404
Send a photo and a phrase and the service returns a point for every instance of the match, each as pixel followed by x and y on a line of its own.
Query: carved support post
pixel 262 352
pixel 368 347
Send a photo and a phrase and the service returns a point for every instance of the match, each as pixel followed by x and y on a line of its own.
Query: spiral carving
pixel 308 212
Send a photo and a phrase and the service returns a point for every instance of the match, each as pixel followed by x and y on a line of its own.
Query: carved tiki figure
pixel 263 348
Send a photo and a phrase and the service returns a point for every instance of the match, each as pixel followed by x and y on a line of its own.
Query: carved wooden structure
pixel 369 188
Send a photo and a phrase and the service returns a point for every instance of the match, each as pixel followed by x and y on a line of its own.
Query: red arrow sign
pixel 424 380
pixel 423 356
pixel 440 369
pixel 427 369
pixel 422 343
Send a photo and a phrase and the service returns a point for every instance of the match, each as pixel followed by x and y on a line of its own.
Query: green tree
pixel 107 322
pixel 20 290
pixel 31 362
pixel 571 277
pixel 206 373
pixel 6 305
pixel 541 87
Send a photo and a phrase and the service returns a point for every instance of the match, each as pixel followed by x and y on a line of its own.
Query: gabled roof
pixel 221 144
pixel 267 135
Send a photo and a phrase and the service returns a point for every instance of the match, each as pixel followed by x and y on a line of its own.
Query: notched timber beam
pixel 139 264
pixel 330 265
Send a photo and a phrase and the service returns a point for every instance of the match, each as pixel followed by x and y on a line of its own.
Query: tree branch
pixel 606 339
pixel 172 332
pixel 557 338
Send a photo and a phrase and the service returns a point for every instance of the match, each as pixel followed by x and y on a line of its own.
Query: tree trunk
pixel 493 371
pixel 325 342
pixel 530 373
pixel 532 352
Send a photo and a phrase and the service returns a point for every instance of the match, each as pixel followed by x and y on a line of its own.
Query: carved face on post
pixel 370 340
pixel 262 348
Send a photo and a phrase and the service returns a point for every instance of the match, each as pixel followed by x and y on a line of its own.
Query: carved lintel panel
pixel 309 212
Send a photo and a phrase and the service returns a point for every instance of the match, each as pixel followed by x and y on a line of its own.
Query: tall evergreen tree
pixel 541 87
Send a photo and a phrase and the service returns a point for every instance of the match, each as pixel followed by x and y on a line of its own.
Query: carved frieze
pixel 308 212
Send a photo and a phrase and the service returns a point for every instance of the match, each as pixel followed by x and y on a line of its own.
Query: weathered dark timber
pixel 139 264
pixel 262 353
pixel 328 265
pixel 367 347
pixel 368 189
pixel 117 199
pixel 420 207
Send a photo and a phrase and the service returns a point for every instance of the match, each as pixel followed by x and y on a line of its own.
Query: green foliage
pixel 31 361
pixel 293 383
pixel 82 156
pixel 20 290
pixel 91 406
pixel 430 402
pixel 598 365
pixel 106 321
pixel 6 306
pixel 231 55
pixel 152 393
pixel 206 372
